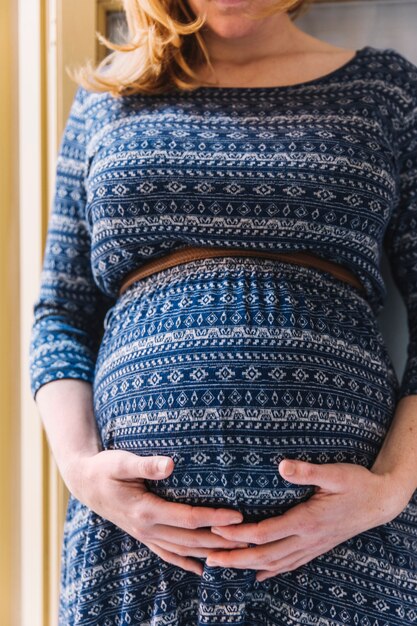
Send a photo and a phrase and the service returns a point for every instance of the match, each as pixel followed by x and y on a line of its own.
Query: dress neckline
pixel 320 79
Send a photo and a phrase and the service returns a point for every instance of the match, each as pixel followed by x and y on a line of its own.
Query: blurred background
pixel 38 39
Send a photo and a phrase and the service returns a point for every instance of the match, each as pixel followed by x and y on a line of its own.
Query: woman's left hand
pixel 348 500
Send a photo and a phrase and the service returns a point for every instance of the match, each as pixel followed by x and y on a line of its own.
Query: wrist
pixel 73 469
pixel 394 494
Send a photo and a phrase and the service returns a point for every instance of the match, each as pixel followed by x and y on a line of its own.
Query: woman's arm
pixel 66 333
pixel 66 408
pixel 111 482
pixel 398 455
pixel 348 500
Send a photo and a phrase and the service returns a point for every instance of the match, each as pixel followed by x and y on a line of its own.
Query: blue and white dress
pixel 230 364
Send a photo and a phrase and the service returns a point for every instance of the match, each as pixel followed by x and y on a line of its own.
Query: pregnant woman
pixel 225 187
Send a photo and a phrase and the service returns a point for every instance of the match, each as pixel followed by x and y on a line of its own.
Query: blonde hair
pixel 163 48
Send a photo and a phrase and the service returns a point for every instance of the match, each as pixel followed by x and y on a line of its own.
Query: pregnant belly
pixel 229 365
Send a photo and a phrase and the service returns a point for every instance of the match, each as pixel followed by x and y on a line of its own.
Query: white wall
pixel 382 24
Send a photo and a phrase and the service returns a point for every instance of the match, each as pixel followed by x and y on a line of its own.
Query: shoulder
pixel 390 80
pixel 85 97
pixel 389 61
pixel 97 107
pixel 397 73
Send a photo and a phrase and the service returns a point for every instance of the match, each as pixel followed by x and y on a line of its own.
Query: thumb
pixel 154 467
pixel 132 465
pixel 303 473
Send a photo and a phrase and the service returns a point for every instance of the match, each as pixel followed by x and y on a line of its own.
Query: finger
pixel 191 538
pixel 289 523
pixel 198 551
pixel 292 564
pixel 187 564
pixel 285 562
pixel 127 465
pixel 156 510
pixel 327 475
pixel 260 557
pixel 251 558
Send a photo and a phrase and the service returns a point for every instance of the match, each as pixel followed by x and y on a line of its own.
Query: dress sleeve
pixel 400 241
pixel 69 311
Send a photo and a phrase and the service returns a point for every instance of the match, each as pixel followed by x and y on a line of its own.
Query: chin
pixel 226 18
pixel 231 29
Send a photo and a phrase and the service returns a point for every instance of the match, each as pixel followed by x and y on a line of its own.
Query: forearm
pixel 398 455
pixel 66 409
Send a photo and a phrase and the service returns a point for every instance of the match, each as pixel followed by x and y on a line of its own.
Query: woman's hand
pixel 111 483
pixel 348 500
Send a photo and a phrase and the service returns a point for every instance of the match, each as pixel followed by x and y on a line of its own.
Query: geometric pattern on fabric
pixel 233 363
pixel 228 368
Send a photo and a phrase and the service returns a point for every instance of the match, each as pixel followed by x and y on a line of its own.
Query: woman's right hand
pixel 112 484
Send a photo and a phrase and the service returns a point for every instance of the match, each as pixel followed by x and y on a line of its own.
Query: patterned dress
pixel 230 364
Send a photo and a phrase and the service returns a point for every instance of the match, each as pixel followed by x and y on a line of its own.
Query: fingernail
pixel 162 466
pixel 289 468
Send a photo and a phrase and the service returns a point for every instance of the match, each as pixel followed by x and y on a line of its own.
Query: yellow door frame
pixel 52 34
pixel 9 321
